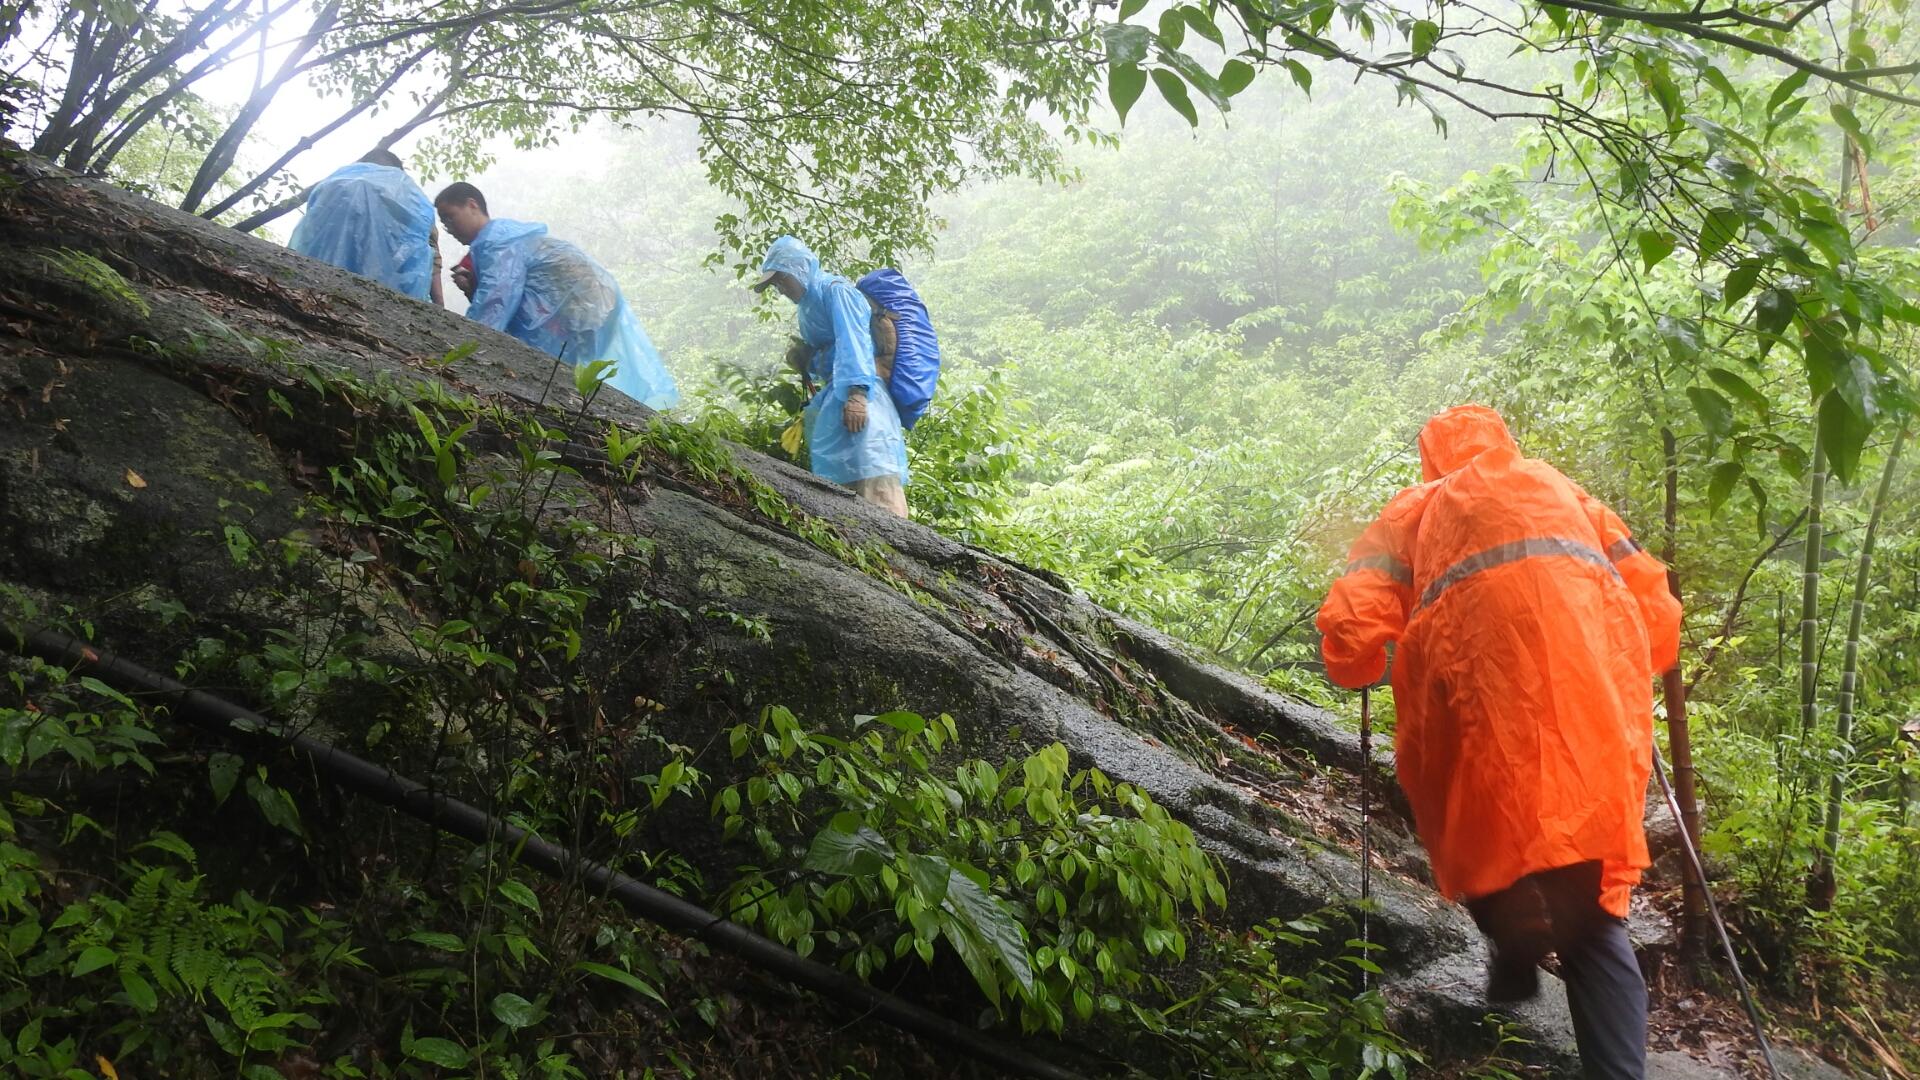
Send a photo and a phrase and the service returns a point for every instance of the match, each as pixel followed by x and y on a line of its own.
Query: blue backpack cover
pixel 916 364
pixel 373 220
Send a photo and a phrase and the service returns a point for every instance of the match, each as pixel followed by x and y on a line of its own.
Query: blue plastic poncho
pixel 375 221
pixel 551 295
pixel 836 323
pixel 916 362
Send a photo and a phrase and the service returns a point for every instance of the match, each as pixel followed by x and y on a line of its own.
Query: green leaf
pixel 1741 389
pixel 1832 366
pixel 1833 241
pixel 930 874
pixel 625 978
pixel 1725 476
pixel 1721 227
pixel 93 959
pixel 859 853
pixel 1202 24
pixel 1759 506
pixel 1842 434
pixel 139 990
pixel 517 1012
pixel 1235 76
pixel 1788 87
pixel 906 723
pixel 1302 77
pixel 1792 459
pixel 519 893
pixel 1124 86
pixel 22 937
pixel 588 377
pixel 1199 78
pixel 1681 335
pixel 1791 110
pixel 1319 16
pixel 105 691
pixel 1126 44
pixel 442 1052
pixel 1173 29
pixel 1424 35
pixel 223 771
pixel 1175 93
pixel 1654 76
pixel 434 939
pixel 1740 281
pixel 1654 246
pixel 1130 8
pixel 1719 81
pixel 1772 313
pixel 984 931
pixel 1716 414
pixel 274 803
pixel 172 844
pixel 1845 118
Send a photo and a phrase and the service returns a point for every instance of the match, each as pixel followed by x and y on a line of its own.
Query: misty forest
pixel 387 695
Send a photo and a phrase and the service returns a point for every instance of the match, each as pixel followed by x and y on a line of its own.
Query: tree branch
pixel 220 157
pixel 307 142
pixel 1685 24
pixel 1712 651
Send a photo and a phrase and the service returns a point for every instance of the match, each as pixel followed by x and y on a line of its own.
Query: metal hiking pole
pixel 1366 822
pixel 1713 910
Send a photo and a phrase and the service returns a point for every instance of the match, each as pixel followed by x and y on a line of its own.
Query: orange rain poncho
pixel 1530 626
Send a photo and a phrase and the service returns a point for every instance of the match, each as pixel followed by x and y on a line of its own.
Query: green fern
pixel 96 275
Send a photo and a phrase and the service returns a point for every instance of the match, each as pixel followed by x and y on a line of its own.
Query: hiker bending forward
pixel 551 295
pixel 854 437
pixel 1529 627
pixel 371 218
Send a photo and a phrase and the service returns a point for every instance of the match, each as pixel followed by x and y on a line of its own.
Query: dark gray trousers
pixel 1605 991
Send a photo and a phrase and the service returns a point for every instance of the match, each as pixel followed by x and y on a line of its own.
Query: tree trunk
pixel 1673 686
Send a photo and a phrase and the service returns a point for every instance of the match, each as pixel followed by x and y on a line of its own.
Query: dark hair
pixel 382 157
pixel 458 192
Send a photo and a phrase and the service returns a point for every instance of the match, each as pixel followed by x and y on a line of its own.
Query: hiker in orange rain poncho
pixel 1529 628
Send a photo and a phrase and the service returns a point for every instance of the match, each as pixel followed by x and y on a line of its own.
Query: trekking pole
pixel 1713 910
pixel 1366 823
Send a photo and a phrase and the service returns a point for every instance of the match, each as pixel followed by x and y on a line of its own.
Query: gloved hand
pixel 463 277
pixel 855 413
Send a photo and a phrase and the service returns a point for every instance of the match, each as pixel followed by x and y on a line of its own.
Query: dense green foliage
pixel 1214 360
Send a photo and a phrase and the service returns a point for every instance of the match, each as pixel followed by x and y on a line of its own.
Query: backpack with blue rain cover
pixel 916 360
pixel 373 220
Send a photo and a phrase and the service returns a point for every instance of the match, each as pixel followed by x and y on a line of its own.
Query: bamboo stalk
pixel 1820 883
pixel 1810 591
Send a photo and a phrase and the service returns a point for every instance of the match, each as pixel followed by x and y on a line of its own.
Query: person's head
pixel 1456 436
pixel 383 157
pixel 788 267
pixel 462 210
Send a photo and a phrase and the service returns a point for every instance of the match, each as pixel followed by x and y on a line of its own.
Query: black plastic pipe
pixel 469 822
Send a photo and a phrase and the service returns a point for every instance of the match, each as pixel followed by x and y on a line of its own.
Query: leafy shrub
pixel 1054 889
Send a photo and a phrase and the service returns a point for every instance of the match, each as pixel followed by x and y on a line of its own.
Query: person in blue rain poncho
pixel 370 218
pixel 853 431
pixel 551 295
